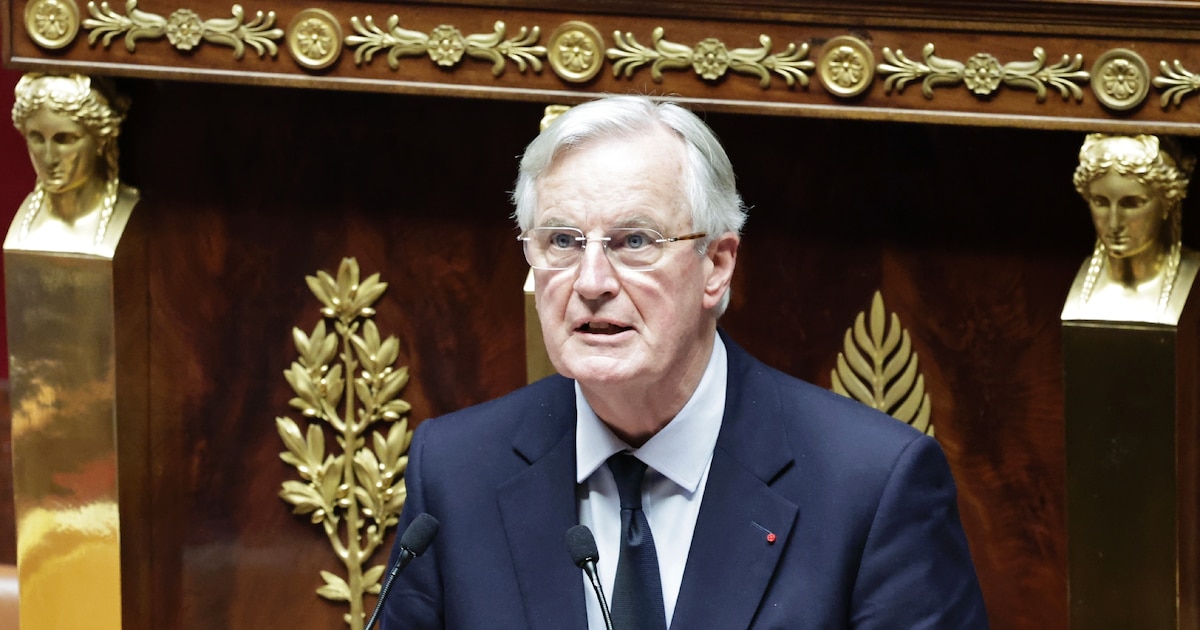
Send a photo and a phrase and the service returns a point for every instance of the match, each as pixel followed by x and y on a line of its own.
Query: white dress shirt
pixel 678 459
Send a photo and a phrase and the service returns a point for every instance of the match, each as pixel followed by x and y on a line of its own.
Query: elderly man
pixel 722 494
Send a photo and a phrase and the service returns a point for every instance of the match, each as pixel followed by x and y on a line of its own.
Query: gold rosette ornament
pixel 355 495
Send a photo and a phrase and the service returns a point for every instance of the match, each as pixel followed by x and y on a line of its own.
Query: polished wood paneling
pixel 247 191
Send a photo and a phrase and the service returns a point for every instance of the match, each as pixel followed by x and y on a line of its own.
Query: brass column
pixel 78 343
pixel 1131 474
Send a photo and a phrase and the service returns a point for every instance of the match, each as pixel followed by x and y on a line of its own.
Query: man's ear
pixel 722 257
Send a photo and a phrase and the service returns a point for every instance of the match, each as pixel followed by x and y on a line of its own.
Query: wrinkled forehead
pixel 647 132
pixel 616 181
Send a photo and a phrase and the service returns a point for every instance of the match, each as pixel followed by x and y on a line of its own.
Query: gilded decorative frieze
pixel 710 59
pixel 1120 79
pixel 356 495
pixel 445 45
pixel 184 28
pixel 878 367
pixel 983 73
pixel 1176 82
pixel 52 24
pixel 847 66
pixel 576 51
pixel 314 38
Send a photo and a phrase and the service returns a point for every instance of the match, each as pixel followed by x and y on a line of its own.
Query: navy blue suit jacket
pixel 863 508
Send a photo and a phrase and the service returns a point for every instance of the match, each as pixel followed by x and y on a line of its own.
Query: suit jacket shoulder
pixel 829 514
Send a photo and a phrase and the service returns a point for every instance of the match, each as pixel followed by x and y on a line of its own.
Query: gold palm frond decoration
pixel 355 495
pixel 878 367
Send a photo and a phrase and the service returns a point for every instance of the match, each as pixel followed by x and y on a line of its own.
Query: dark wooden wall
pixel 972 234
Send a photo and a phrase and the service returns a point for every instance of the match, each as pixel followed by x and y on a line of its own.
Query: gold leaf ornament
pixel 445 45
pixel 184 29
pixel 983 74
pixel 710 59
pixel 877 367
pixel 1176 82
pixel 346 381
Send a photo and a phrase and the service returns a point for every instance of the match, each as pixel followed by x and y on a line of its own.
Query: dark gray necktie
pixel 637 596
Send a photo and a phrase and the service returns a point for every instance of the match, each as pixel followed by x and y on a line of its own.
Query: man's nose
pixel 596 273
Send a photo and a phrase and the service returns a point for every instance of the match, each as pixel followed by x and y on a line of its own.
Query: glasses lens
pixel 553 248
pixel 635 248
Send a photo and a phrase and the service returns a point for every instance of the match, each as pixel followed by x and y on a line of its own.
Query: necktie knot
pixel 629 472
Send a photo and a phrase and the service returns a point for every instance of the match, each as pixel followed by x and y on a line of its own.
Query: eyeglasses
pixel 634 249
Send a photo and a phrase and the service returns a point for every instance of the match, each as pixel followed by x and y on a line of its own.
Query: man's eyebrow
pixel 638 221
pixel 553 221
pixel 632 221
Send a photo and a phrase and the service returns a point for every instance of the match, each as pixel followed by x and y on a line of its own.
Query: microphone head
pixel 419 534
pixel 582 545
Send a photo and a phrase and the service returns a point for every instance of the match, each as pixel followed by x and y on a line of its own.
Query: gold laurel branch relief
pixel 1178 81
pixel 445 45
pixel 877 367
pixel 983 73
pixel 184 29
pixel 355 495
pixel 710 59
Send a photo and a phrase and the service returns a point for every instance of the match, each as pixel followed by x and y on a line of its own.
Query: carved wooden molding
pixel 753 65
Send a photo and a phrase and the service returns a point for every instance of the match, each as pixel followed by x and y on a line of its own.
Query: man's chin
pixel 597 370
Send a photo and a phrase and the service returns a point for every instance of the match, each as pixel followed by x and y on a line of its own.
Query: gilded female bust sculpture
pixel 70 125
pixel 1139 269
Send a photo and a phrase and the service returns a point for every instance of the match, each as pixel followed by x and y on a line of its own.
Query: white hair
pixel 708 180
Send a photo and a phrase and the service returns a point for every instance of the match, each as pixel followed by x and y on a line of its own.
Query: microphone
pixel 413 542
pixel 585 555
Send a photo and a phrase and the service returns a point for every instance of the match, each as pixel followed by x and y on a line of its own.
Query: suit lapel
pixel 744 525
pixel 537 507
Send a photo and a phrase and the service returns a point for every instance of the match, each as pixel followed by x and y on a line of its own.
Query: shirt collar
pixel 682 450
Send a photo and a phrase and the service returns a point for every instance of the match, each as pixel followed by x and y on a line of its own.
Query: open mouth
pixel 602 328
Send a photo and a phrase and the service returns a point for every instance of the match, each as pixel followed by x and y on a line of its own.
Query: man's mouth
pixel 602 328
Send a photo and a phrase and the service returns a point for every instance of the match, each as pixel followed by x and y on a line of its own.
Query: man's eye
pixel 635 240
pixel 562 240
